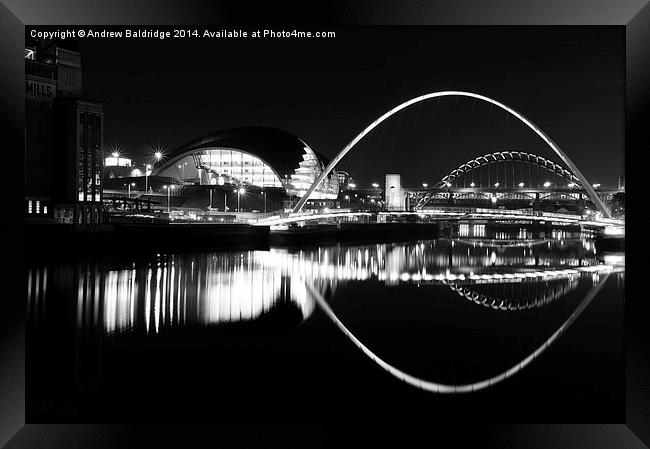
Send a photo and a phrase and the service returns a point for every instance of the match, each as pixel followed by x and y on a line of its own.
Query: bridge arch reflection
pixel 436 387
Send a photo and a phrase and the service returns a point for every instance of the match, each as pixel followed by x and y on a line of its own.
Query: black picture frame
pixel 634 15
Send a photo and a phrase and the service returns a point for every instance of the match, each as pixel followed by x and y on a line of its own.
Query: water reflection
pixel 207 289
pixel 437 387
pixel 203 290
pixel 210 289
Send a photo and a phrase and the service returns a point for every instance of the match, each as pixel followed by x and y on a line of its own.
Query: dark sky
pixel 568 80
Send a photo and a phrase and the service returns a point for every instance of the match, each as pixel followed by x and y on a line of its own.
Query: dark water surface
pixel 242 335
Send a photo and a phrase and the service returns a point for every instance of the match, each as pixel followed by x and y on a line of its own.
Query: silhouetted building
pixel 40 91
pixel 63 139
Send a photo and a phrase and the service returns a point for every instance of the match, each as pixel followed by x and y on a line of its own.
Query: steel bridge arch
pixel 506 156
pixel 561 154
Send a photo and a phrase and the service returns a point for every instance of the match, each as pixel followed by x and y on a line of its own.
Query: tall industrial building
pixel 63 139
pixel 393 191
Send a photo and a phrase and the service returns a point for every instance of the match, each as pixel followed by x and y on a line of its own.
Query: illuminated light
pixel 496 184
pixel 425 185
pixel 521 184
pixel 158 155
pixel 547 184
pixel 213 181
pixel 375 185
pixel 472 185
pixel 241 191
pixel 115 154
pixel 221 180
pixel 494 199
pixel 352 185
pixel 614 230
pixel 615 259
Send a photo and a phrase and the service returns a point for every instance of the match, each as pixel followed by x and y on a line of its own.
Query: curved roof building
pixel 250 156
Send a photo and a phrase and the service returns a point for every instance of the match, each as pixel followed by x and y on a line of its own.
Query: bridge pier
pixel 537 204
pixel 581 204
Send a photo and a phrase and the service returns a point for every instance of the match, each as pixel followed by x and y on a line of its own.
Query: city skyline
pixel 327 91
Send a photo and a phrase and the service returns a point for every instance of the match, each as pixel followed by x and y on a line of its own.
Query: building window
pixel 38 206
pixel 45 210
pixel 29 207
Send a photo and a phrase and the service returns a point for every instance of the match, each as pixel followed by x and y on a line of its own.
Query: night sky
pixel 568 80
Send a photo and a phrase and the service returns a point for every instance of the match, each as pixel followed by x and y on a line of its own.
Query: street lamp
pixel 182 167
pixel 521 184
pixel 240 191
pixel 146 178
pixel 169 189
pixel 158 155
pixel 547 184
pixel 425 185
pixel 472 185
pixel 496 184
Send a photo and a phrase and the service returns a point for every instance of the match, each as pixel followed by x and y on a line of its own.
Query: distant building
pixel 255 159
pixel 344 179
pixel 393 192
pixel 119 167
pixel 63 139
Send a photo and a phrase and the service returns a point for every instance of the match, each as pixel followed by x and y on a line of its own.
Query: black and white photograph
pixel 269 223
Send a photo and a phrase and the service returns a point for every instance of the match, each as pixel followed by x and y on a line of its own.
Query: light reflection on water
pixel 176 290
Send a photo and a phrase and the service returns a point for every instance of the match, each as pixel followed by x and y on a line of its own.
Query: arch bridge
pixel 572 168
